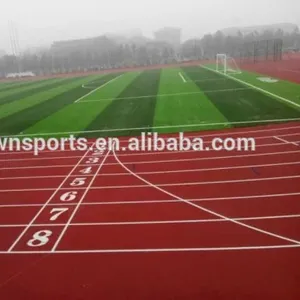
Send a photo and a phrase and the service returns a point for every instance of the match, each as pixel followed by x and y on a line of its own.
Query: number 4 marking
pixel 57 212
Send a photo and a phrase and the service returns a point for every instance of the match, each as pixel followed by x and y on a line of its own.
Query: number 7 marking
pixel 57 212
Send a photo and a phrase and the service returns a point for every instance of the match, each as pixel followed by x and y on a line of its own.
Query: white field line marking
pixel 205 209
pixel 98 88
pixel 166 95
pixel 206 80
pixel 285 141
pixel 136 153
pixel 79 203
pixel 46 203
pixel 161 161
pixel 193 183
pixel 189 136
pixel 154 250
pixel 130 202
pixel 188 221
pixel 161 127
pixel 254 87
pixel 182 77
pixel 161 172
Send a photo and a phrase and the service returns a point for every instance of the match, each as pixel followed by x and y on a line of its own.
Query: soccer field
pixel 164 100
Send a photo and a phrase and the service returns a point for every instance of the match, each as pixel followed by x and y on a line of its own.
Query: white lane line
pixel 203 208
pixel 46 203
pixel 160 172
pixel 158 185
pixel 182 77
pixel 154 250
pixel 78 204
pixel 11 153
pixel 285 141
pixel 98 88
pixel 228 133
pixel 130 202
pixel 164 127
pixel 254 87
pixel 188 221
pixel 142 154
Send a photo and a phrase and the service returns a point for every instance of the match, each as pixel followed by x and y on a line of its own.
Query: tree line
pixel 106 53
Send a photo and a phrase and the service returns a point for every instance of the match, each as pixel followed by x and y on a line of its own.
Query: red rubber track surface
pixel 154 225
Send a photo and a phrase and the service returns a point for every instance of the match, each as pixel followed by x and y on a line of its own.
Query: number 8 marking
pixel 40 238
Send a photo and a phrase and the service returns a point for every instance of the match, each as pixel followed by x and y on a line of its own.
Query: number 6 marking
pixel 68 196
pixel 40 238
pixel 57 212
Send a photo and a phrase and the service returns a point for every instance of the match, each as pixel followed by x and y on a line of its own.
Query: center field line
pixel 285 141
pixel 203 208
pixel 46 203
pixel 98 88
pixel 79 203
pixel 182 77
pixel 167 95
pixel 163 171
pixel 254 87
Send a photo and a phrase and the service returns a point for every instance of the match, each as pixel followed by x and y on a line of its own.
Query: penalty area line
pixel 98 88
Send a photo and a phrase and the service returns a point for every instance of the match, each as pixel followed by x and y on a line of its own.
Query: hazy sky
pixel 41 22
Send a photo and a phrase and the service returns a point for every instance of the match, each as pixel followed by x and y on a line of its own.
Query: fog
pixel 39 23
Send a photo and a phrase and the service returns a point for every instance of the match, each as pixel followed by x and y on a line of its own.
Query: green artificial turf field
pixel 167 100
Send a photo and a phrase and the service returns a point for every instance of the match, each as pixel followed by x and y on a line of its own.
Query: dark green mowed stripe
pixel 34 90
pixel 129 113
pixel 239 105
pixel 18 122
pixel 16 85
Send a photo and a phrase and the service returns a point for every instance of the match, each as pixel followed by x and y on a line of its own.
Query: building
pixel 285 27
pixel 170 35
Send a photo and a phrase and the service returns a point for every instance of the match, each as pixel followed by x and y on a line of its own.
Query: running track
pixel 182 225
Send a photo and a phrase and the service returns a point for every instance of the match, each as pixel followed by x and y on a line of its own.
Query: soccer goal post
pixel 226 64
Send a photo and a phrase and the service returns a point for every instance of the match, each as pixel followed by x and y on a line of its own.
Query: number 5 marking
pixel 57 212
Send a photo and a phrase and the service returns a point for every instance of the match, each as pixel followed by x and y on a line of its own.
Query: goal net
pixel 227 65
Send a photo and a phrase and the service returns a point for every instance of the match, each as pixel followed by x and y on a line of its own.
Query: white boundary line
pixel 46 203
pixel 130 202
pixel 254 87
pixel 158 185
pixel 154 250
pixel 164 138
pixel 164 127
pixel 205 209
pixel 285 141
pixel 160 172
pixel 98 88
pixel 78 204
pixel 182 77
pixel 167 95
pixel 142 153
pixel 187 221
pixel 160 161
